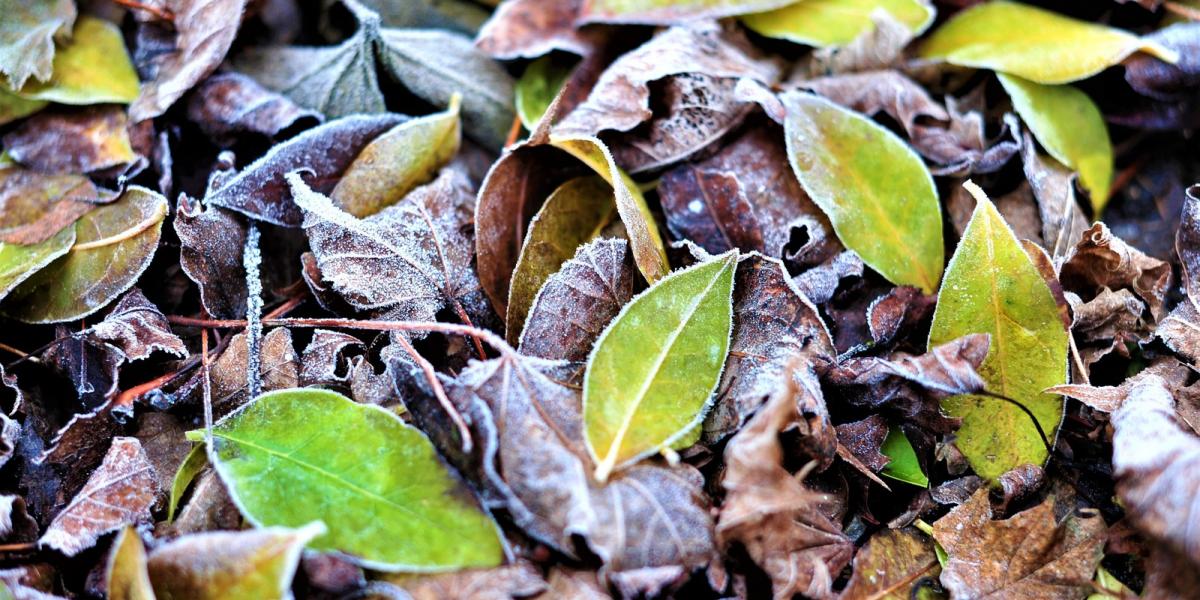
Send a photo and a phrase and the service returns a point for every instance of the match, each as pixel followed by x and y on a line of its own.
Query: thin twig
pixel 514 132
pixel 13 350
pixel 466 319
pixel 1183 10
pixel 164 14
pixel 206 389
pixel 439 392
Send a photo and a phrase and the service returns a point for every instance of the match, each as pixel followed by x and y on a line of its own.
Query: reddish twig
pixel 439 392
pixel 514 132
pixel 164 14
pixel 1183 10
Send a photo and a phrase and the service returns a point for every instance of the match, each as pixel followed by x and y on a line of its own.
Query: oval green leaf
pixel 876 191
pixel 18 263
pixel 1068 124
pixel 93 68
pixel 824 23
pixel 650 379
pixel 192 464
pixel 1033 43
pixel 395 163
pixel 573 215
pixel 114 244
pixel 903 465
pixel 992 287
pixel 537 87
pixel 295 456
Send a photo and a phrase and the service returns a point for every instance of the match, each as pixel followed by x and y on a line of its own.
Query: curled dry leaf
pixel 961 145
pixel 210 253
pixel 137 328
pixel 327 358
pixel 1054 187
pixel 229 105
pixel 76 141
pixel 1187 244
pixel 1102 260
pixel 1154 77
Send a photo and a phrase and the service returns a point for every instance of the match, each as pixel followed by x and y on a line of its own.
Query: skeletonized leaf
pixel 875 189
pixel 1069 125
pixel 992 287
pixel 18 263
pixel 1033 43
pixel 651 376
pixel 27 35
pixel 666 12
pixel 94 68
pixel 125 572
pixel 114 244
pixel 824 23
pixel 384 495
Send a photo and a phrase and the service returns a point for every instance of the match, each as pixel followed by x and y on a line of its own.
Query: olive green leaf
pixel 215 565
pixel 125 574
pixel 1033 43
pixel 192 464
pixel 94 68
pixel 391 166
pixel 648 251
pixel 13 107
pixel 650 378
pixel 877 192
pixel 992 287
pixel 537 87
pixel 27 34
pixel 376 483
pixel 903 465
pixel 1069 125
pixel 573 215
pixel 114 244
pixel 836 22
pixel 18 263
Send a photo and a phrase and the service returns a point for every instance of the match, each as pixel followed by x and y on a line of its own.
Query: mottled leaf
pixel 824 23
pixel 79 141
pixel 992 287
pixel 227 105
pixel 93 68
pixel 890 566
pixel 125 572
pixel 665 12
pixel 903 464
pixel 27 36
pixel 875 189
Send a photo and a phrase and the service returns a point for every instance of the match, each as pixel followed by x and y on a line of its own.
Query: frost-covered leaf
pixel 992 287
pixel 653 371
pixel 825 23
pixel 1053 186
pixel 27 35
pixel 125 572
pixel 114 244
pixel 518 580
pixel 875 189
pixel 228 105
pixel 1102 260
pixel 210 253
pixel 326 359
pixel 665 12
pixel 75 141
pixel 532 28
pixel 1151 76
pixel 137 328
pixel 36 206
pixel 384 495
pixel 93 68
pixel 1033 43
pixel 18 263
pixel 889 566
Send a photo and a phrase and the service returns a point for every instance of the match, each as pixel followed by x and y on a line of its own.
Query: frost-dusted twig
pixel 252 262
pixel 206 387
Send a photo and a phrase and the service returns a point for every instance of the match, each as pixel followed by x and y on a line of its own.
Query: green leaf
pixel 573 215
pixel 537 87
pixel 295 456
pixel 27 34
pixel 391 166
pixel 825 23
pixel 650 378
pixel 192 464
pixel 876 191
pixel 1033 43
pixel 114 244
pixel 903 465
pixel 993 287
pixel 18 263
pixel 644 238
pixel 13 107
pixel 1069 125
pixel 126 568
pixel 93 68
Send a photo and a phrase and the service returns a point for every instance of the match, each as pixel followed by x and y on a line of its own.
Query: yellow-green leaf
pixel 126 569
pixel 993 287
pixel 651 376
pixel 644 238
pixel 573 215
pixel 537 87
pixel 13 107
pixel 836 22
pixel 877 192
pixel 1034 43
pixel 18 263
pixel 93 68
pixel 192 464
pixel 398 161
pixel 903 465
pixel 1069 125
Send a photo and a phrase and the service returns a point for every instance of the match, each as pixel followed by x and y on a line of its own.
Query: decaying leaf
pixel 518 580
pixel 137 328
pixel 210 253
pixel 530 28
pixel 890 566
pixel 78 141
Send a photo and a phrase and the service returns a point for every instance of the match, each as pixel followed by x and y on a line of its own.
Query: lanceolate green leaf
pixel 537 87
pixel 903 465
pixel 405 157
pixel 1034 43
pixel 651 376
pixel 114 244
pixel 836 22
pixel 874 188
pixel 1069 125
pixel 191 466
pixel 573 215
pixel 18 263
pixel 992 287
pixel 376 483
pixel 93 68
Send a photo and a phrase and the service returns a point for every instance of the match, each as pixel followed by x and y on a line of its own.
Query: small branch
pixel 466 319
pixel 439 392
pixel 514 132
pixel 1183 10
pixel 163 14
pixel 17 351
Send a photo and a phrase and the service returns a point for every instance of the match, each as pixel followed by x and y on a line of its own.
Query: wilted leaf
pixel 961 145
pixel 1069 125
pixel 79 141
pixel 227 105
pixel 888 91
pixel 393 164
pixel 836 22
pixel 210 253
pixel 890 566
pixel 903 464
pixel 666 12
pixel 652 373
pixel 1103 260
pixel 1033 43
pixel 93 68
pixel 326 359
pixel 1029 555
pixel 230 564
pixel 386 498
pixel 114 244
pixel 1053 185
pixel 125 572
pixel 537 87
pixel 137 328
pixel 120 492
pixel 27 36
pixel 877 192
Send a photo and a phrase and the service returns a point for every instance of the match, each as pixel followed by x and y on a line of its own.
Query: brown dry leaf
pixel 210 253
pixel 1187 243
pixel 578 585
pixel 278 366
pixel 227 106
pixel 888 91
pixel 1029 555
pixel 329 358
pixel 518 580
pixel 1054 187
pixel 897 313
pixel 863 439
pixel 891 565
pixel 81 140
pixel 532 28
pixel 960 146
pixel 166 446
pixel 1108 323
pixel 877 48
pixel 137 329
pixel 34 206
pixel 1102 260
pixel 666 13
pixel 1180 331
pixel 120 492
pixel 209 509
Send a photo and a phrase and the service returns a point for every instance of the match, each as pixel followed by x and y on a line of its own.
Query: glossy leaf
pixel 27 35
pixel 114 244
pixel 1033 43
pixel 825 23
pixel 18 263
pixel 993 287
pixel 191 466
pixel 537 87
pixel 573 215
pixel 126 574
pixel 93 68
pixel 1069 125
pixel 874 188
pixel 405 157
pixel 386 498
pixel 903 465
pixel 651 376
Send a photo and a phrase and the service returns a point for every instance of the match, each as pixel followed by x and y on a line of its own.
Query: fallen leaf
pixel 891 565
pixel 208 508
pixel 125 574
pixel 960 145
pixel 864 439
pixel 229 105
pixel 1154 77
pixel 651 375
pixel 93 68
pixel 27 37
pixel 535 91
pixel 79 141
pixel 137 328
pixel 195 461
pixel 36 206
pixel 889 91
pixel 16 524
pixel 659 12
pixel 278 367
pixel 211 240
pixel 1187 243
pixel 876 48
pixel 518 580
pixel 327 358
pixel 1102 260
pixel 459 15
pixel 824 23
pixel 903 464
pixel 18 263
pixel 530 28
pixel 895 314
pixel 1054 187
